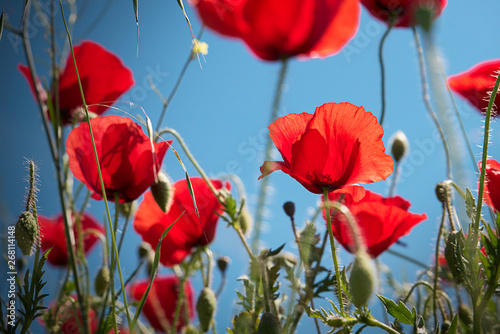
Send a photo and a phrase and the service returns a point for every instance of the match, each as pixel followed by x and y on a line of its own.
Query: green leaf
pixel 470 204
pixel 398 311
pixel 276 251
pixel 454 326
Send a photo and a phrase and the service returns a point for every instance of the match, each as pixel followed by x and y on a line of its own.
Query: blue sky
pixel 222 110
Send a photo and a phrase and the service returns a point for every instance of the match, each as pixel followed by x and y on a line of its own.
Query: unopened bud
pixel 223 262
pixel 27 232
pixel 206 306
pixel 424 15
pixel 144 250
pixel 127 209
pixel 101 282
pixel 399 146
pixel 269 324
pixel 442 189
pixel 289 208
pixel 162 192
pixel 362 279
pixel 246 222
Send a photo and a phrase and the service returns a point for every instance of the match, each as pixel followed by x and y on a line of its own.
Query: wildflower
pixel 492 184
pixel 381 221
pixel 103 76
pixel 189 231
pixel 277 29
pixel 129 161
pixel 337 147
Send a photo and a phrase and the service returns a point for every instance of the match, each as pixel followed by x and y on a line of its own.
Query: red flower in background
pixel 337 147
pixel 103 75
pixel 150 221
pixel 476 84
pixel 405 11
pixel 129 160
pixel 491 194
pixel 381 221
pixel 160 305
pixel 52 235
pixel 278 29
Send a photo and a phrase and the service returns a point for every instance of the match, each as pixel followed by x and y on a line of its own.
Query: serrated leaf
pixel 398 311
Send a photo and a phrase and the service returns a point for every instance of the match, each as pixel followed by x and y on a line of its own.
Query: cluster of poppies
pixel 335 149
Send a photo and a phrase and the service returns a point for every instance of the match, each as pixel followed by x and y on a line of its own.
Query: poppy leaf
pixel 470 203
pixel 398 311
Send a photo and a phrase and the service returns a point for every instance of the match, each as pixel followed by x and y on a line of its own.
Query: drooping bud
pixel 222 263
pixel 27 232
pixel 269 324
pixel 424 15
pixel 399 145
pixel 245 221
pixel 362 279
pixel 144 250
pixel 101 282
pixel 162 191
pixel 206 306
pixel 127 209
pixel 442 189
pixel 289 208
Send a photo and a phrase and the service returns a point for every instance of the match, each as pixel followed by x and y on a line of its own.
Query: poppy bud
pixel 127 209
pixel 269 324
pixel 144 250
pixel 101 282
pixel 223 262
pixel 27 232
pixel 400 145
pixel 190 330
pixel 442 191
pixel 162 191
pixel 289 208
pixel 206 306
pixel 246 221
pixel 362 279
pixel 424 16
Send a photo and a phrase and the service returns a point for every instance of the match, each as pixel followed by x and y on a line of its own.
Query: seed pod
pixel 245 221
pixel 362 279
pixel 27 232
pixel 206 306
pixel 400 145
pixel 101 282
pixel 162 192
pixel 269 324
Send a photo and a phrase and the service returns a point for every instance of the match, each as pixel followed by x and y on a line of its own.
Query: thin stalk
pixel 259 215
pixel 436 266
pixel 166 102
pixel 395 177
pixel 382 67
pixel 334 253
pixel 427 101
pixel 113 239
pixel 371 321
pixel 180 297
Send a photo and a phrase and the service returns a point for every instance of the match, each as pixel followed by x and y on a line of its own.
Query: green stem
pixel 395 177
pixel 334 253
pixel 259 215
pixel 436 266
pixel 113 239
pixel 382 67
pixel 371 321
pixel 427 102
pixel 180 297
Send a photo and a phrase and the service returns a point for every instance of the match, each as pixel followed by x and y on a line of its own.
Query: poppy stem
pixel 259 215
pixel 340 290
pixel 113 239
pixel 436 266
pixel 381 62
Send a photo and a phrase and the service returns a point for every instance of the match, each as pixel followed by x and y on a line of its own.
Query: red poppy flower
pixel 491 195
pixel 160 305
pixel 129 160
pixel 150 221
pixel 404 10
pixel 476 84
pixel 381 221
pixel 103 75
pixel 337 147
pixel 278 29
pixel 52 235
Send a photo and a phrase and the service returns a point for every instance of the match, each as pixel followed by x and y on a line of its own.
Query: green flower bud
pixel 162 191
pixel 27 232
pixel 206 306
pixel 101 282
pixel 289 208
pixel 144 250
pixel 190 330
pixel 399 146
pixel 223 262
pixel 245 221
pixel 442 191
pixel 362 279
pixel 269 324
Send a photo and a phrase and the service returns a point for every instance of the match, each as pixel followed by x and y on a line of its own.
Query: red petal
pixel 492 184
pixel 222 16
